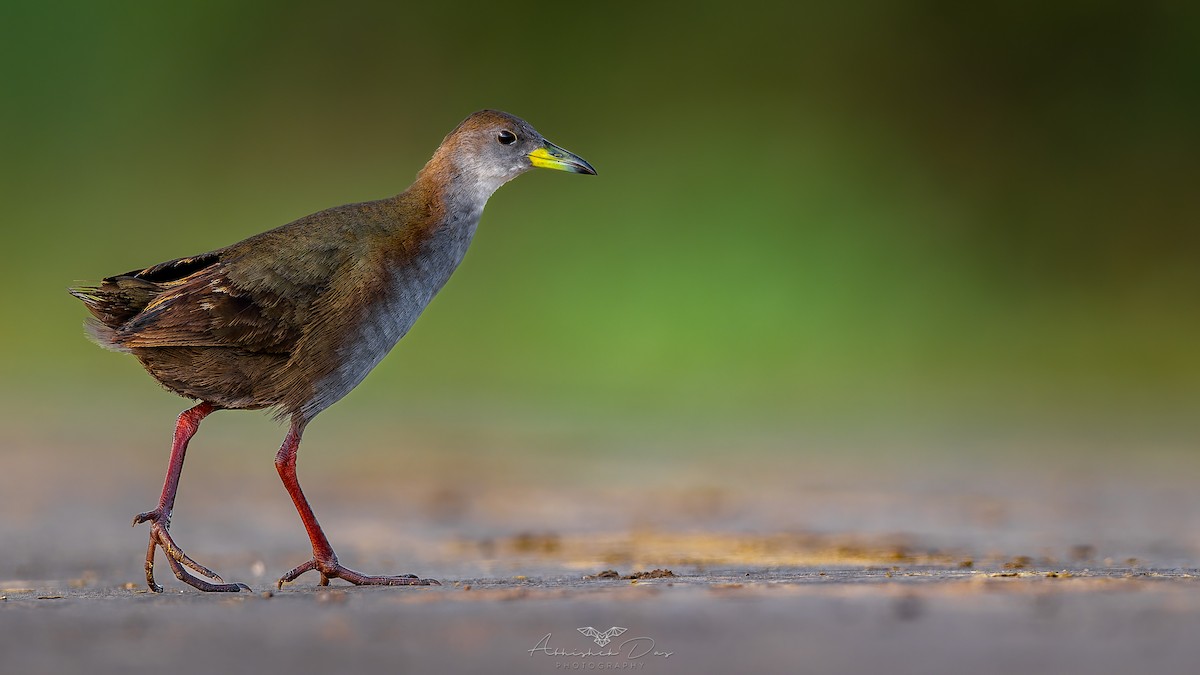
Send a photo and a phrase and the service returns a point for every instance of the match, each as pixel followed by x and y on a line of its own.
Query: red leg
pixel 324 560
pixel 160 518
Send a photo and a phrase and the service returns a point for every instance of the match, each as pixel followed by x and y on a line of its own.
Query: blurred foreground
pixel 789 555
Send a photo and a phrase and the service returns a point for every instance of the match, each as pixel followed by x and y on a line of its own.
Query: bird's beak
pixel 550 156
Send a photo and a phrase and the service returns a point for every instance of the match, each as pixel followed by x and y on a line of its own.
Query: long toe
pixel 398 580
pixel 336 571
pixel 200 584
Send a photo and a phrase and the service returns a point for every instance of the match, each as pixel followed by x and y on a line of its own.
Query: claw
pixel 177 559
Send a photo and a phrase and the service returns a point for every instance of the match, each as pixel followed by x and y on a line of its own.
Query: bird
pixel 292 319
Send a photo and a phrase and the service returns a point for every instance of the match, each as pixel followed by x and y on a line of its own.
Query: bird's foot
pixel 176 558
pixel 330 569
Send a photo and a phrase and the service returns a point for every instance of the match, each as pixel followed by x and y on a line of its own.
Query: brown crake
pixel 294 318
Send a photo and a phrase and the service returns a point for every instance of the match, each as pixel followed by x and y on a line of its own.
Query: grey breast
pixel 410 289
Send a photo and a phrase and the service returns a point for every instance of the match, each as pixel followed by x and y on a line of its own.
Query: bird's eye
pixel 507 137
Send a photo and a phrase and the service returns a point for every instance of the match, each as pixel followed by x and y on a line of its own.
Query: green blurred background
pixel 889 218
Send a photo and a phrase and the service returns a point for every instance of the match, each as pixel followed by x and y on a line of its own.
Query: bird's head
pixel 491 147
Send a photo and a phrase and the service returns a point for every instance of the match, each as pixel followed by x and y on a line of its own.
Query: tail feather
pixel 116 300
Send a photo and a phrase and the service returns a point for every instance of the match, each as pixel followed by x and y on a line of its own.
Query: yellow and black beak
pixel 550 156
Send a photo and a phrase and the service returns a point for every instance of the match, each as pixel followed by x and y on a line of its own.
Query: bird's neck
pixel 458 183
pixel 442 211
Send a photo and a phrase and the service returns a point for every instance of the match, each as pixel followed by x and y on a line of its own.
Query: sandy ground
pixel 784 560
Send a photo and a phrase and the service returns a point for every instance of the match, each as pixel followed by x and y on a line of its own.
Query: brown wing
pixel 190 302
pixel 207 309
pixel 268 310
pixel 119 298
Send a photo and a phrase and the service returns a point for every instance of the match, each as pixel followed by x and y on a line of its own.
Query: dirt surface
pixel 778 621
pixel 709 562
